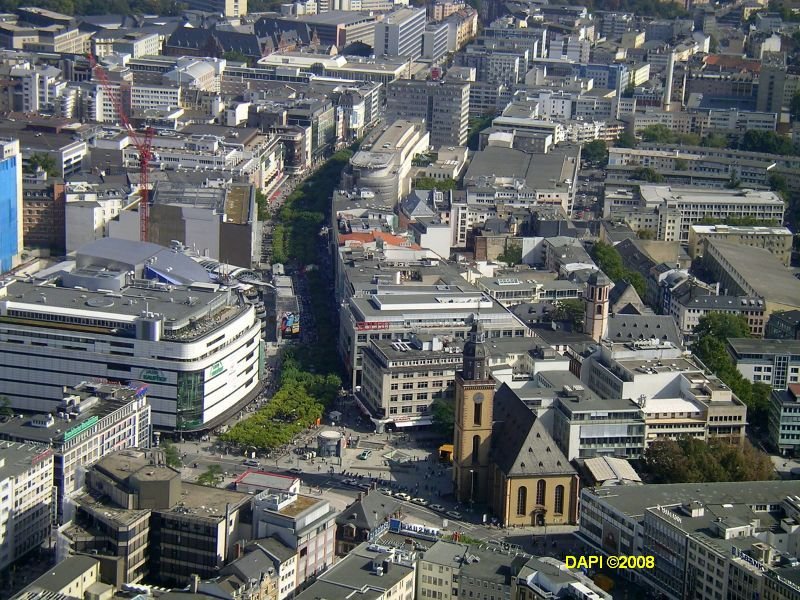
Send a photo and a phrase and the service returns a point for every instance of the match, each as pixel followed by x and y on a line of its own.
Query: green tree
pixel 626 140
pixel 171 454
pixel 779 185
pixel 689 460
pixel 42 161
pixel 681 164
pixel 428 183
pixel 443 415
pixel 211 477
pixel 766 141
pixel 570 310
pixel 512 254
pixel 722 326
pixel 648 174
pixel 477 125
pixel 646 234
pixel 595 151
pixel 235 56
pixel 608 260
pixel 5 407
pixel 714 140
pixel 658 133
pixel 794 107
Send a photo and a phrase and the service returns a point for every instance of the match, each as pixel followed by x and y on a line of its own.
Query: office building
pixel 11 216
pixel 93 420
pixel 696 204
pixel 784 325
pixel 442 105
pixel 689 308
pixel 389 313
pixel 752 272
pixel 385 169
pixel 774 362
pixel 26 499
pixel 675 394
pixel 304 524
pixel 131 312
pixel 434 41
pixel 778 240
pixel 137 512
pixel 784 417
pixel 219 222
pixel 74 577
pixel 707 540
pixel 400 33
pixel 44 210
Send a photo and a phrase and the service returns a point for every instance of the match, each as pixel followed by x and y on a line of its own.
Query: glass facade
pixel 9 212
pixel 190 399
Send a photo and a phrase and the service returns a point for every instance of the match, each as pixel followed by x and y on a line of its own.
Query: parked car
pixel 386 491
pixel 251 462
pixel 420 501
pixel 437 507
pixel 454 514
pixel 365 455
pixel 351 482
pixel 296 471
pixel 402 496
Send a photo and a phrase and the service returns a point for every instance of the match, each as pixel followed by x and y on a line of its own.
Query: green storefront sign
pixel 152 376
pixel 216 369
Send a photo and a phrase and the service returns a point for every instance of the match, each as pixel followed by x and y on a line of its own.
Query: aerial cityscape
pixel 399 300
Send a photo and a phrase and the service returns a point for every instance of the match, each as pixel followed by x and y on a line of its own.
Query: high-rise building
pixel 400 33
pixel 10 203
pixel 444 106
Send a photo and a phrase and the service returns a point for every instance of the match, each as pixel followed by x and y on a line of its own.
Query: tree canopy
pixel 443 415
pixel 428 183
pixel 689 460
pixel 608 259
pixel 664 135
pixel 211 477
pixel 595 151
pixel 512 254
pixel 298 222
pixel 171 454
pixel 711 332
pixel 100 7
pixel 43 161
pixel 766 141
pixel 570 310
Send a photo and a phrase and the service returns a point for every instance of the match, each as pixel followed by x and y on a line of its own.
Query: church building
pixel 503 456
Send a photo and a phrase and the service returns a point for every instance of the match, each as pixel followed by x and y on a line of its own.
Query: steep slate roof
pixel 623 328
pixel 623 299
pixel 362 513
pixel 521 444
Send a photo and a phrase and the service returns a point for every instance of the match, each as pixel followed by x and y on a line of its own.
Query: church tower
pixel 595 322
pixel 474 389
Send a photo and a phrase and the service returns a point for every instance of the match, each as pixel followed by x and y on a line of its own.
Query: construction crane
pixel 143 141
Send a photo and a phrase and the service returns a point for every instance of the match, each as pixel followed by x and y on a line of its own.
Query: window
pixel 522 500
pixel 477 401
pixel 541 489
pixel 476 445
pixel 559 507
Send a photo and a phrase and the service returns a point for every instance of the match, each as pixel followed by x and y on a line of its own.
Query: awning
pixel 427 421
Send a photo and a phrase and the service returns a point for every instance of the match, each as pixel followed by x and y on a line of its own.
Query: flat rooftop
pixel 539 171
pixel 672 194
pixel 634 500
pixel 18 457
pixel 755 346
pixel 763 272
pixel 188 311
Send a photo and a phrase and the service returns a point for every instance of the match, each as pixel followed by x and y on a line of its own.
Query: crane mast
pixel 142 141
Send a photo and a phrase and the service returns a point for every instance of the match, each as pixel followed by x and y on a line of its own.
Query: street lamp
pixel 471 488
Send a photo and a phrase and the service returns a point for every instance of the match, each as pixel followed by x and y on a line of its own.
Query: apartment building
pixel 688 309
pixel 708 540
pixel 43 212
pixel 774 362
pixel 26 499
pixel 379 572
pixel 672 389
pixel 92 420
pixel 778 240
pixel 400 33
pixel 304 524
pixel 784 325
pixel 442 105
